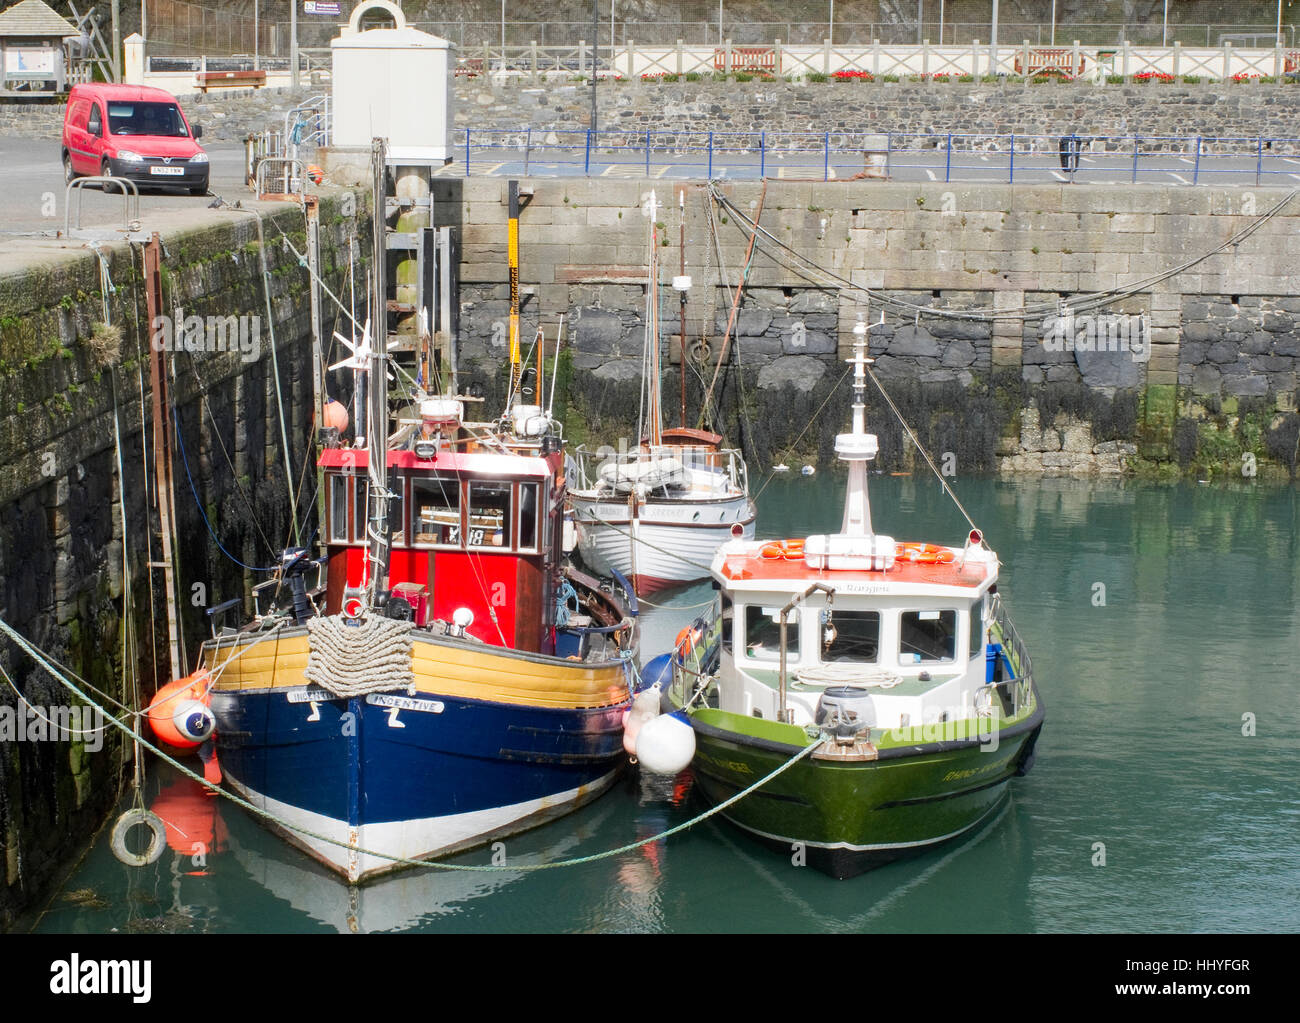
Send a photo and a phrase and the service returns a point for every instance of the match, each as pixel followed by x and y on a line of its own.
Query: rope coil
pixel 355 659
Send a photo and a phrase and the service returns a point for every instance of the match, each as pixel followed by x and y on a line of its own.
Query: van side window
pixel 96 125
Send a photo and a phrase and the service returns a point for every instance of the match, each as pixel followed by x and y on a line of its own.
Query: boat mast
pixel 858 447
pixel 377 433
pixel 512 253
pixel 654 411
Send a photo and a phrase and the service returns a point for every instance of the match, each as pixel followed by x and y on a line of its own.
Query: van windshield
pixel 146 119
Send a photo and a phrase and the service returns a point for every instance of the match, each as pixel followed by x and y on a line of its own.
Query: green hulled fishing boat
pixel 890 670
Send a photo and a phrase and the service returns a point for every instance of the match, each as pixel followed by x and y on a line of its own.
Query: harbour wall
pixel 558 103
pixel 68 388
pixel 1206 382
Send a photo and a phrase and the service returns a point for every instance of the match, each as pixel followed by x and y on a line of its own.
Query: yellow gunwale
pixel 449 669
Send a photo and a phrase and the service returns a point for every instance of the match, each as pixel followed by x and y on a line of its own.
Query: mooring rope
pixel 402 860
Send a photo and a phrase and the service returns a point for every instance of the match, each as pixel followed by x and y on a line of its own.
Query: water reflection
pixel 1170 740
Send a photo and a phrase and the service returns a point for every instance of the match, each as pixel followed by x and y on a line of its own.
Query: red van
pixel 132 131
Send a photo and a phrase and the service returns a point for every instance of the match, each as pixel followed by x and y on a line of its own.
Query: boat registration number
pixel 310 696
pixel 167 170
pixel 404 703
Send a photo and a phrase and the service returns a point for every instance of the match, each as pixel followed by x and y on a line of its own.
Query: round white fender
pixel 665 745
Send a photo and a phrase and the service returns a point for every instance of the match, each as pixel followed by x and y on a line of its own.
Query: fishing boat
pixel 436 677
pixel 885 676
pixel 457 685
pixel 656 512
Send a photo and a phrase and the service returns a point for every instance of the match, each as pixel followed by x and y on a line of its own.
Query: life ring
pixel 778 550
pixel 686 640
pixel 157 837
pixel 924 554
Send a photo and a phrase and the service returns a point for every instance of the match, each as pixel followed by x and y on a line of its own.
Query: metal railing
pixel 615 474
pixel 832 155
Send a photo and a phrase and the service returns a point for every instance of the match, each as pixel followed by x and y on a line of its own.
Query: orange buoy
pixel 179 714
pixel 336 416
pixel 315 174
pixel 686 640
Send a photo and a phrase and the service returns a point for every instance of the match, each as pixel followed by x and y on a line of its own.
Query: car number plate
pixel 166 170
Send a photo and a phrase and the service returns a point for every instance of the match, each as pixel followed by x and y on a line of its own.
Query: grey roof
pixel 34 18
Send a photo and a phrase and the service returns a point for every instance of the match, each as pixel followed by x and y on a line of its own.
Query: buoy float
pixel 644 709
pixel 179 714
pixel 315 174
pixel 665 745
pixel 686 641
pixel 157 837
pixel 336 416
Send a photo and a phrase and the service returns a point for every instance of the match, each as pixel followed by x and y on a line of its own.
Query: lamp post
pixel 830 28
pixel 595 27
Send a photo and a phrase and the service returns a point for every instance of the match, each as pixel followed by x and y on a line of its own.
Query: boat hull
pixel 664 544
pixel 846 817
pixel 366 782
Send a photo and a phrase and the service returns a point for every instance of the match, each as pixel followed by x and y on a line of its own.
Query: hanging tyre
pixel 157 837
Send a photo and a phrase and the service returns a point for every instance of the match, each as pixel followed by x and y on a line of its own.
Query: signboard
pixel 29 61
pixel 326 7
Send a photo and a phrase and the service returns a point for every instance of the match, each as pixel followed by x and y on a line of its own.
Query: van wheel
pixel 69 175
pixel 107 171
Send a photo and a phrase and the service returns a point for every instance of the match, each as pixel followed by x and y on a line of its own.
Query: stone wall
pixel 1152 109
pixel 65 395
pixel 559 103
pixel 1207 375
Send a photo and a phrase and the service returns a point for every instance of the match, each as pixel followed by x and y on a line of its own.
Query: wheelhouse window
pixel 340 489
pixel 850 636
pixel 397 510
pixel 763 634
pixel 528 517
pixel 435 511
pixel 489 514
pixel 927 637
pixel 976 628
pixel 360 508
pixel 728 615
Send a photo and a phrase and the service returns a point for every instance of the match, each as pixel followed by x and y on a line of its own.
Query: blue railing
pixel 837 155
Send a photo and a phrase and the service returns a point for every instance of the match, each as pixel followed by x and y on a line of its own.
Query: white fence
pixel 778 59
pixel 978 59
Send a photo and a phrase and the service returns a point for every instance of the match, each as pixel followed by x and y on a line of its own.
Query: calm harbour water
pixel 1143 751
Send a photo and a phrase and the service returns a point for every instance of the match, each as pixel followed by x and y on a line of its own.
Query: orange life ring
pixel 686 640
pixel 924 554
pixel 777 550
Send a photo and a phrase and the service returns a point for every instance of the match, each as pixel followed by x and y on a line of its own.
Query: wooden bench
pixel 206 80
pixel 1050 61
pixel 746 58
